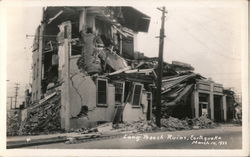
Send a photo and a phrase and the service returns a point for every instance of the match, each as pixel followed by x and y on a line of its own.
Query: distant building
pixel 209 99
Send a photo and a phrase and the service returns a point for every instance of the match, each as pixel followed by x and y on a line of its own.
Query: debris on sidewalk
pixel 167 124
pixel 137 126
pixel 43 117
pixel 201 122
pixel 13 124
pixel 172 124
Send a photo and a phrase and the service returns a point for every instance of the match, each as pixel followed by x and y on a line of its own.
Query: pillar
pixel 39 62
pixel 211 103
pixel 224 103
pixel 196 103
pixel 211 100
pixel 82 20
pixel 65 99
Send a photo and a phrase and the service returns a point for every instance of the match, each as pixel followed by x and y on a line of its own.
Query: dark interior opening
pixel 218 111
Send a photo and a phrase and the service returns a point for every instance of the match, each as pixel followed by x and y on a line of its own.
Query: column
pixel 196 103
pixel 82 20
pixel 211 100
pixel 224 103
pixel 65 99
pixel 39 62
pixel 211 103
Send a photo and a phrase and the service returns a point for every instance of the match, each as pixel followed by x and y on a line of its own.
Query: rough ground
pixel 43 119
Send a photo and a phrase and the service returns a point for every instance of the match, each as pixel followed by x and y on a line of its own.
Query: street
pixel 217 138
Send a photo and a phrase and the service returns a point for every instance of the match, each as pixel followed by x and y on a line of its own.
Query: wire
pixel 204 45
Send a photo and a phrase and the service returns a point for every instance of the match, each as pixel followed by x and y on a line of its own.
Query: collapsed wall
pixel 43 117
pixel 13 123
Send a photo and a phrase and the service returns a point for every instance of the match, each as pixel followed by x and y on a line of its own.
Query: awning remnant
pixel 182 94
pixel 181 67
pixel 169 83
pixel 135 19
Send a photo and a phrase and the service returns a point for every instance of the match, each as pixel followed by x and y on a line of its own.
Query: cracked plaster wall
pixel 131 113
pixel 82 91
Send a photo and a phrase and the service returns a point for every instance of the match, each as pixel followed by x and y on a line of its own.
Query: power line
pixel 203 44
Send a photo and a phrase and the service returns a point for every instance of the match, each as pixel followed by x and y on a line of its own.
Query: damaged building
pixel 89 55
pixel 77 50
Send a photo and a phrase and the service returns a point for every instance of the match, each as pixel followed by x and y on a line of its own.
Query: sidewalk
pixel 25 141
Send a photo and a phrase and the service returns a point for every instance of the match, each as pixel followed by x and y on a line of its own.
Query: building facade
pixel 210 100
pixel 90 55
pixel 65 51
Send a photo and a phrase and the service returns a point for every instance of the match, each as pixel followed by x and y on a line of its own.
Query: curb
pixel 79 139
pixel 20 144
pixel 59 139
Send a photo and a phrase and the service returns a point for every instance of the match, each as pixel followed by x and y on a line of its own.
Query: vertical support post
pixel 11 102
pixel 159 68
pixel 196 103
pixel 39 62
pixel 224 102
pixel 120 44
pixel 211 103
pixel 211 100
pixel 65 99
pixel 82 20
pixel 16 93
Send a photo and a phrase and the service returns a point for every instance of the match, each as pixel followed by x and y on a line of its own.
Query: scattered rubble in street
pixel 172 124
pixel 44 117
pixel 201 122
pixel 168 124
pixel 13 124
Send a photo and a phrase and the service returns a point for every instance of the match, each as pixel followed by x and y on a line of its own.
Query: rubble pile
pixel 172 124
pixel 43 118
pixel 168 124
pixel 13 125
pixel 84 130
pixel 201 122
pixel 141 126
pixel 136 126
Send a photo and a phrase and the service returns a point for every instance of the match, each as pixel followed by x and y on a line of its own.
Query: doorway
pixel 218 110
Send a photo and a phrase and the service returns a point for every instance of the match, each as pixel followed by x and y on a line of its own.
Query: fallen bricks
pixel 168 124
pixel 13 125
pixel 109 130
pixel 43 118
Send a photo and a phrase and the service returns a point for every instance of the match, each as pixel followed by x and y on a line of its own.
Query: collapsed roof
pixel 126 16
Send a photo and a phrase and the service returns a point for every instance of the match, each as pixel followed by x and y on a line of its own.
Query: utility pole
pixel 10 101
pixel 16 92
pixel 159 68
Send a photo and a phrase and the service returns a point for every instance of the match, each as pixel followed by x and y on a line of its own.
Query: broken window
pixel 119 92
pixel 102 85
pixel 136 97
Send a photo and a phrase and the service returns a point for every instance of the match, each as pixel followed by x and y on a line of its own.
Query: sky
pixel 209 37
